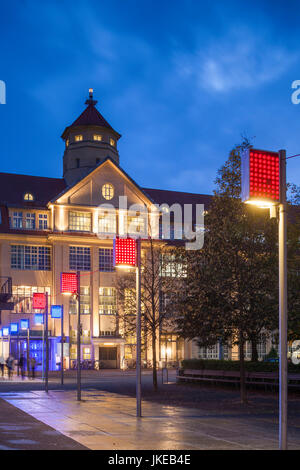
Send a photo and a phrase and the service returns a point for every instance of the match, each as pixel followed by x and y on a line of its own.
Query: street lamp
pixel 57 312
pixel 70 285
pixel 40 301
pixel 264 185
pixel 24 325
pixel 127 254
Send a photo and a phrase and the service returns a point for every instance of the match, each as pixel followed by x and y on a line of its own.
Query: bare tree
pixel 160 278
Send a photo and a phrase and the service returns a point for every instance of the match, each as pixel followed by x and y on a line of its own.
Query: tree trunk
pixel 154 361
pixel 242 371
pixel 254 353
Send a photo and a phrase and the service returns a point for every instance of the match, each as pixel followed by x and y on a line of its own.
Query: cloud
pixel 240 60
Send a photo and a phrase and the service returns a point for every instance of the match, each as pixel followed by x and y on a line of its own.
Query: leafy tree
pixel 231 292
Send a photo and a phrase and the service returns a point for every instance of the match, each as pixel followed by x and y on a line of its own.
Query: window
pixel 30 221
pixel 22 298
pixel 112 142
pixel 107 301
pixel 163 301
pixel 28 197
pixel 107 223
pixel 129 301
pixel 85 302
pixel 136 224
pixel 169 267
pixel 78 138
pixel 43 221
pixel 67 143
pixel 80 258
pixel 108 191
pixel 17 220
pixel 106 262
pixel 77 162
pixel 97 137
pixel 209 352
pixel 80 221
pixel 86 354
pixel 36 258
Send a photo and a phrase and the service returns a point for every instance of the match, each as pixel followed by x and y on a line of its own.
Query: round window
pixel 108 191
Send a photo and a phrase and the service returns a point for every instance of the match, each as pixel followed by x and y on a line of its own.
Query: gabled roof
pixel 14 186
pixel 92 170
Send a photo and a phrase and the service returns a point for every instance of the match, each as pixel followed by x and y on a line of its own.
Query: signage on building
pixel 38 319
pixel 39 301
pixel 14 328
pixel 68 283
pixel 24 324
pixel 260 177
pixel 125 252
pixel 56 311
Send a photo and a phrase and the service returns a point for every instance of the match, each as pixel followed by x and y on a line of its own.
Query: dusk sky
pixel 180 80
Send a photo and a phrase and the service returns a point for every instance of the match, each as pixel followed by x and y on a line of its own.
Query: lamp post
pixel 57 312
pixel 40 301
pixel 283 367
pixel 47 346
pixel 78 339
pixel 70 285
pixel 264 185
pixel 127 254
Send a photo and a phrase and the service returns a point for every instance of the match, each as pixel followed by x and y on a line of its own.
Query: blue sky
pixel 181 80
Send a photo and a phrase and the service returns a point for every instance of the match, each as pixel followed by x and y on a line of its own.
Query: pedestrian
pixel 10 365
pixel 32 365
pixel 22 365
pixel 2 364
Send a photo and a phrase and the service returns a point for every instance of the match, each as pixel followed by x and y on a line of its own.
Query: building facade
pixel 54 225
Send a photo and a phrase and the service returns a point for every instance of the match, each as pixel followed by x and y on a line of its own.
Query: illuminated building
pixel 51 226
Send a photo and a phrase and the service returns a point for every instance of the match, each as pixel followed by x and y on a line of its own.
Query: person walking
pixel 33 366
pixel 2 364
pixel 22 365
pixel 10 365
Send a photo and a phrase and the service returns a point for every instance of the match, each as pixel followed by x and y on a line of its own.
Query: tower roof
pixel 90 117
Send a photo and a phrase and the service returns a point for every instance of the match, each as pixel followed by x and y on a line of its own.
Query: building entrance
pixel 108 357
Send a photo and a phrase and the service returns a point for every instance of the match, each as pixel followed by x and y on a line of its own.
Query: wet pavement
pixel 20 431
pixel 105 420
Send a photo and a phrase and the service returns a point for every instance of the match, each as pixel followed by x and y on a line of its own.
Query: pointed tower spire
pixel 91 101
pixel 89 140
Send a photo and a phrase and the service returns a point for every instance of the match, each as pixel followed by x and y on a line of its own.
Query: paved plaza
pixel 105 420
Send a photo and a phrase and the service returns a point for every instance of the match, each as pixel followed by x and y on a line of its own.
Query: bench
pixel 267 379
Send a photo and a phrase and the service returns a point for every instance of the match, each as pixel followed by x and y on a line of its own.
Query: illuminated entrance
pixel 171 349
pixel 108 357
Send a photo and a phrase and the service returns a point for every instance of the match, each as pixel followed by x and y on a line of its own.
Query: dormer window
pixel 28 197
pixel 112 142
pixel 97 137
pixel 78 138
